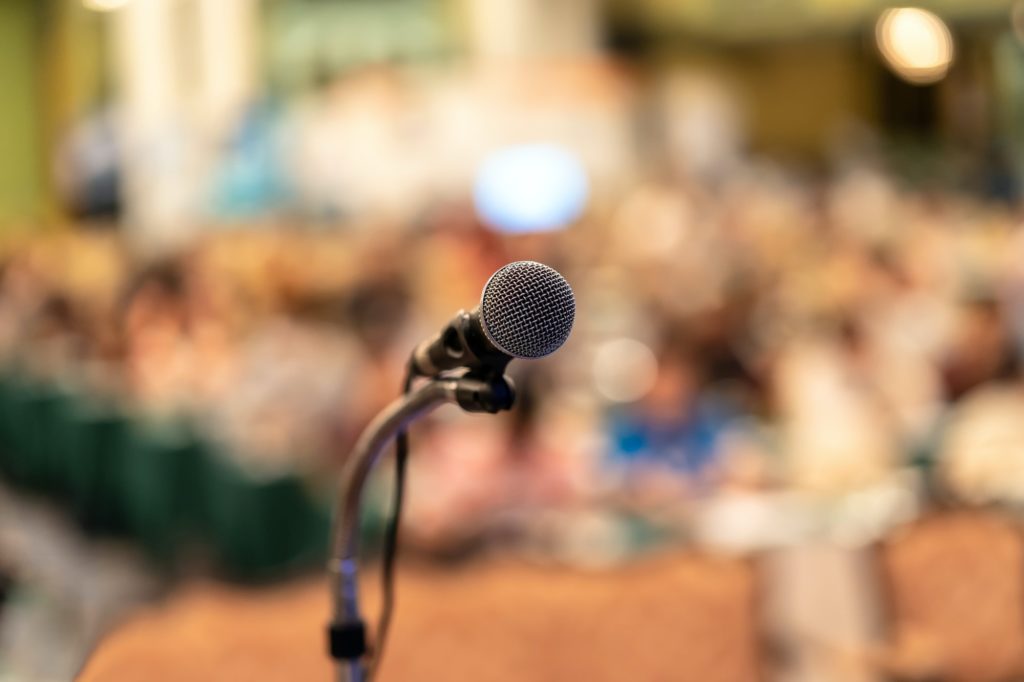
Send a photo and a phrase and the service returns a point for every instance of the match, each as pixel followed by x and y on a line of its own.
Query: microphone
pixel 526 311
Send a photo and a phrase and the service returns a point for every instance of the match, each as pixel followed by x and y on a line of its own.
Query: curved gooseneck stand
pixel 472 392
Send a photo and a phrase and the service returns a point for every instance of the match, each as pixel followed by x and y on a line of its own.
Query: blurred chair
pixel 94 465
pixel 259 528
pixel 160 476
pixel 955 584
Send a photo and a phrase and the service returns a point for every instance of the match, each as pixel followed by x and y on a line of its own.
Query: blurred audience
pixel 758 333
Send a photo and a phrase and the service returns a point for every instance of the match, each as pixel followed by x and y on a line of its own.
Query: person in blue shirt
pixel 675 429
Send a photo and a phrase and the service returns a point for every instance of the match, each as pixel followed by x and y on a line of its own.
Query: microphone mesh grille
pixel 527 309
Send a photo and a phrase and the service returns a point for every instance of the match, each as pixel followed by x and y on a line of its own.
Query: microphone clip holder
pixel 479 390
pixel 462 344
pixel 485 392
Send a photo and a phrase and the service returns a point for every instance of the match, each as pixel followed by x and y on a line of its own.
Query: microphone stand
pixel 474 392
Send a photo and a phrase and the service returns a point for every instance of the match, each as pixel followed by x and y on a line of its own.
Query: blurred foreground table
pixel 675 618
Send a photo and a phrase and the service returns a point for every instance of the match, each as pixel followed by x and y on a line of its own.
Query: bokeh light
pixel 915 43
pixel 531 188
pixel 624 370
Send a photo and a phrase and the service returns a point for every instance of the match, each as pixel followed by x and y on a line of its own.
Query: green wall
pixel 21 167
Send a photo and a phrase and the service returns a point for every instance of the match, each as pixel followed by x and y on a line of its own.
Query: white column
pixel 227 60
pixel 186 70
pixel 153 120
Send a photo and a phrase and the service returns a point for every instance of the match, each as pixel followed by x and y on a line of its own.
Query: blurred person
pixel 22 294
pixel 56 335
pixel 251 182
pixel 484 482
pixel 280 413
pixel 1012 289
pixel 88 168
pixel 896 340
pixel 277 381
pixel 454 255
pixel 981 349
pixel 457 482
pixel 663 239
pixel 668 443
pixel 981 455
pixel 834 435
pixel 729 353
pixel 313 132
pixel 353 143
pixel 862 204
pixel 54 316
pixel 219 318
pixel 543 458
pixel 154 322
pixel 704 127
pixel 376 313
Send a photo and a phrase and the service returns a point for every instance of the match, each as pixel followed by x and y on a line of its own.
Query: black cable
pixel 390 549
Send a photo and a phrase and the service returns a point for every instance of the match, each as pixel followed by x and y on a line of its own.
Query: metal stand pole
pixel 469 392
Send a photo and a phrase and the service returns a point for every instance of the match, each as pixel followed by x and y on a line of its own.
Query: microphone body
pixel 526 311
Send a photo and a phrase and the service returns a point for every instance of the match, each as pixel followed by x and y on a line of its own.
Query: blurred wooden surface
pixel 956 584
pixel 672 619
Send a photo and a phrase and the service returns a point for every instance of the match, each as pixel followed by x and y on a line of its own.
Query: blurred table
pixel 673 618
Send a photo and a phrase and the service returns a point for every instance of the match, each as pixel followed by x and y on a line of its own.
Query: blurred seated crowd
pixel 743 348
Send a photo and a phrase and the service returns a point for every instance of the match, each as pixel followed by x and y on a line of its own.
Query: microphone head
pixel 527 309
